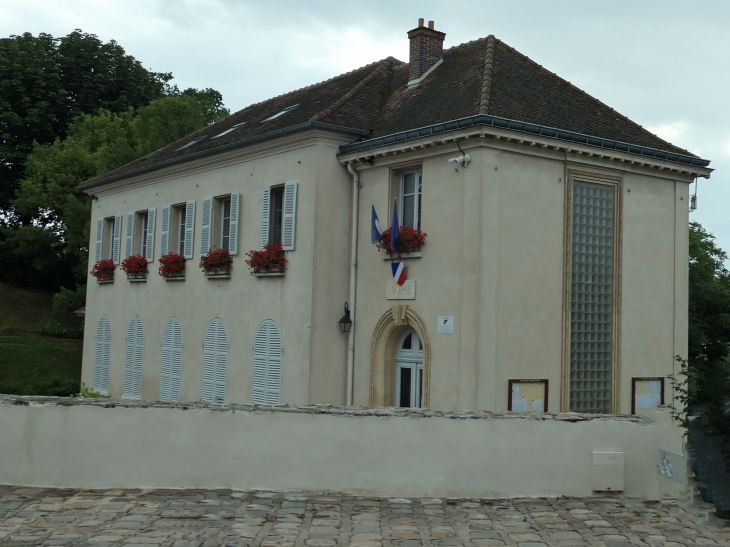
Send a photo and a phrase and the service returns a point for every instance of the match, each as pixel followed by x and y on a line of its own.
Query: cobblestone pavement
pixel 199 518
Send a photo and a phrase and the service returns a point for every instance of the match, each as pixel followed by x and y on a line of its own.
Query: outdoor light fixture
pixel 346 322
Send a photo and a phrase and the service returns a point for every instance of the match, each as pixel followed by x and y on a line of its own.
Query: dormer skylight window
pixel 287 109
pixel 192 142
pixel 152 153
pixel 229 130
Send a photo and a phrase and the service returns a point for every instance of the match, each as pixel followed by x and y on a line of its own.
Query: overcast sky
pixel 663 63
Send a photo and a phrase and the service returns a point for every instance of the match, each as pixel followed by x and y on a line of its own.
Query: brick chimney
pixel 427 45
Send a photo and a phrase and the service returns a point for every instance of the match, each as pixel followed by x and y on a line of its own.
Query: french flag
pixel 399 272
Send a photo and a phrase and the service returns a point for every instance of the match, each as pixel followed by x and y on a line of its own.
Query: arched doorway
pixel 389 336
pixel 409 370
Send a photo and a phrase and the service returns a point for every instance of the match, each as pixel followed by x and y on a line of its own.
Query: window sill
pixel 137 279
pixel 416 254
pixel 128 398
pixel 178 278
pixel 270 274
pixel 104 281
pixel 217 276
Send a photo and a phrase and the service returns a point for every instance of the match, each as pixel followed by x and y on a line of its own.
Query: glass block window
pixel 591 299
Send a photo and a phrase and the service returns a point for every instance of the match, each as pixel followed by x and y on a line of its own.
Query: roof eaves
pixel 523 127
pixel 210 151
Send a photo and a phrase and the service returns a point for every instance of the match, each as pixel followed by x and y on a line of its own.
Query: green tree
pixel 46 82
pixel 95 144
pixel 170 119
pixel 709 313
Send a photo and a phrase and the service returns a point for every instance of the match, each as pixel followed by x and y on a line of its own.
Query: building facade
pixel 553 275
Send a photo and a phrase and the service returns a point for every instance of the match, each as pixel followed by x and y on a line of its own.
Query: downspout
pixel 353 280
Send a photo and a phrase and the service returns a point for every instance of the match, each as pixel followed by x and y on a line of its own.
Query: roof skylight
pixel 229 130
pixel 192 142
pixel 287 109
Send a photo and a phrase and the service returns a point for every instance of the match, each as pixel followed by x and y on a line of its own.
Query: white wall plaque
pixel 446 324
pixel 406 291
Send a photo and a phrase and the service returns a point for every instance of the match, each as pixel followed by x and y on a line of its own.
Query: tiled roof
pixel 485 76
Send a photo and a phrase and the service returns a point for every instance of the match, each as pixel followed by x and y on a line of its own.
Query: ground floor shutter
pixel 171 364
pixel 267 364
pixel 102 354
pixel 133 359
pixel 215 362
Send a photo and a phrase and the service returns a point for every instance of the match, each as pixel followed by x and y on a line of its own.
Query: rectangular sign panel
pixel 406 291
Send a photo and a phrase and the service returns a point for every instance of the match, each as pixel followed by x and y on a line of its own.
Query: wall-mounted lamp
pixel 346 322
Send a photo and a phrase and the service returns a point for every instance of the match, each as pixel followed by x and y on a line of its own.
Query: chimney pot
pixel 427 46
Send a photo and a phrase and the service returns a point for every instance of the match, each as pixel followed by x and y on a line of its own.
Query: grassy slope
pixel 31 363
pixel 29 312
pixel 26 359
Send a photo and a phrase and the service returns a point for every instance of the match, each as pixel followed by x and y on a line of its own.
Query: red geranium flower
pixel 171 264
pixel 103 270
pixel 409 240
pixel 270 258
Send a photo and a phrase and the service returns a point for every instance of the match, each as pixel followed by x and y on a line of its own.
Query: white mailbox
pixel 608 471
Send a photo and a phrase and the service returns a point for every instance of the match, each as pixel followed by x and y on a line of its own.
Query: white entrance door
pixel 409 370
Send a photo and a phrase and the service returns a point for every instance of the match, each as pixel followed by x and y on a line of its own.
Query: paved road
pixel 199 518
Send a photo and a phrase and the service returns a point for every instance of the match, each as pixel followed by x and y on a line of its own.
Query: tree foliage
pixel 46 82
pixel 94 145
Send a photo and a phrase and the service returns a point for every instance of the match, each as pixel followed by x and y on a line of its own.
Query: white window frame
pixel 181 212
pixel 225 200
pixel 143 219
pixel 411 359
pixel 107 246
pixel 416 204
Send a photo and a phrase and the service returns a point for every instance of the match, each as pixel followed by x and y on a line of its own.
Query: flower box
pixel 103 271
pixel 271 271
pixel 269 261
pixel 173 276
pixel 218 274
pixel 409 241
pixel 172 267
pixel 217 263
pixel 135 267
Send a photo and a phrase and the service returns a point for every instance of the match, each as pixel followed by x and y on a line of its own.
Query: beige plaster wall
pixel 297 302
pixel 494 259
pixel 84 445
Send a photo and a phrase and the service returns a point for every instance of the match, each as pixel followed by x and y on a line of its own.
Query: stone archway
pixel 382 354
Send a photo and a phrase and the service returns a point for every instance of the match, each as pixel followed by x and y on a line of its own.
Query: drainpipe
pixel 353 280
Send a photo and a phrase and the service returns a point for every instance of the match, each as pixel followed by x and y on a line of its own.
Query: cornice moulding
pixel 505 138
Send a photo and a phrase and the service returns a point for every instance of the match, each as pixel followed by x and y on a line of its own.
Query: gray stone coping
pixel 354 412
